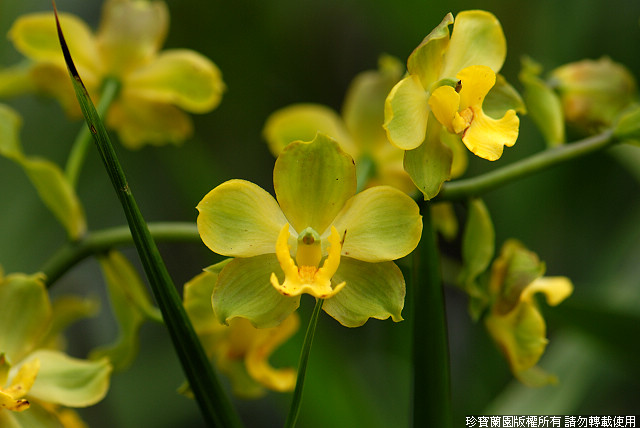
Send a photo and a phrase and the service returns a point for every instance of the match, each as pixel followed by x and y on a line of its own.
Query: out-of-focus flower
pixel 239 350
pixel 514 320
pixel 358 131
pixel 155 86
pixel 593 92
pixel 451 78
pixel 327 241
pixel 36 379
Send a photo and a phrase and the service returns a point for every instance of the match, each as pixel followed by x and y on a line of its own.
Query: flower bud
pixel 593 92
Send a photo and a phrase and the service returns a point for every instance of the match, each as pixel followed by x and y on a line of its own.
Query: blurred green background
pixel 581 218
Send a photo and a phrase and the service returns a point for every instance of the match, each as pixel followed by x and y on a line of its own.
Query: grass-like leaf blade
pixel 213 402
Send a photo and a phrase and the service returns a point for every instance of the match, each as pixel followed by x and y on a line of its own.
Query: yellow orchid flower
pixel 514 320
pixel 155 86
pixel 319 238
pixel 35 386
pixel 448 79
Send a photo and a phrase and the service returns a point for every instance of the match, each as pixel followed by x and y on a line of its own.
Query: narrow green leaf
pixel 294 410
pixel 213 402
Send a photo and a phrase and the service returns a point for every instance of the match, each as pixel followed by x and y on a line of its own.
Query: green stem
pixel 103 240
pixel 431 385
pixel 294 410
pixel 470 187
pixel 214 403
pixel 81 145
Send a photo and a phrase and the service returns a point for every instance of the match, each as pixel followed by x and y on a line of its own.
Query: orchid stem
pixel 103 240
pixel 294 410
pixel 475 186
pixel 431 379
pixel 83 140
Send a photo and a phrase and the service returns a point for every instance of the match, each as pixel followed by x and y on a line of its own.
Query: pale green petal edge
pixel 240 219
pixel 70 381
pixel 379 224
pixel 25 312
pixel 476 39
pixel 372 290
pixel 312 181
pixel 301 122
pixel 406 111
pixel 244 290
pixel 179 76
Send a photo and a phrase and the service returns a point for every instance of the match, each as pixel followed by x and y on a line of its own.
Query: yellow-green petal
pixel 521 335
pixel 244 290
pixel 363 108
pixel 429 165
pixel 57 194
pixel 131 306
pixel 476 39
pixel 70 381
pixel 36 37
pixel 426 60
pixel 313 181
pixel 53 188
pixel 197 304
pixel 37 416
pixel 257 359
pixel 240 219
pixel 25 311
pixel 181 77
pixel 301 122
pixel 130 33
pixel 379 224
pixel 406 111
pixel 138 122
pixel 372 290
pixel 15 81
pixel 10 123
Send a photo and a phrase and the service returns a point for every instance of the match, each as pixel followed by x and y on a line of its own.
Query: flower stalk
pixel 103 240
pixel 294 410
pixel 475 186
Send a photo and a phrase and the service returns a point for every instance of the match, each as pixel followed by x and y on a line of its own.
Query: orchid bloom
pixel 155 86
pixel 451 78
pixel 514 320
pixel 318 238
pixel 36 379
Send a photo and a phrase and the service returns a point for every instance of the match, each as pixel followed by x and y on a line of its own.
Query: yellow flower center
pixel 460 111
pixel 306 276
pixel 11 397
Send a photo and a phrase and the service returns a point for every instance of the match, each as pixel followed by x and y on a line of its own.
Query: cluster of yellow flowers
pixel 344 211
